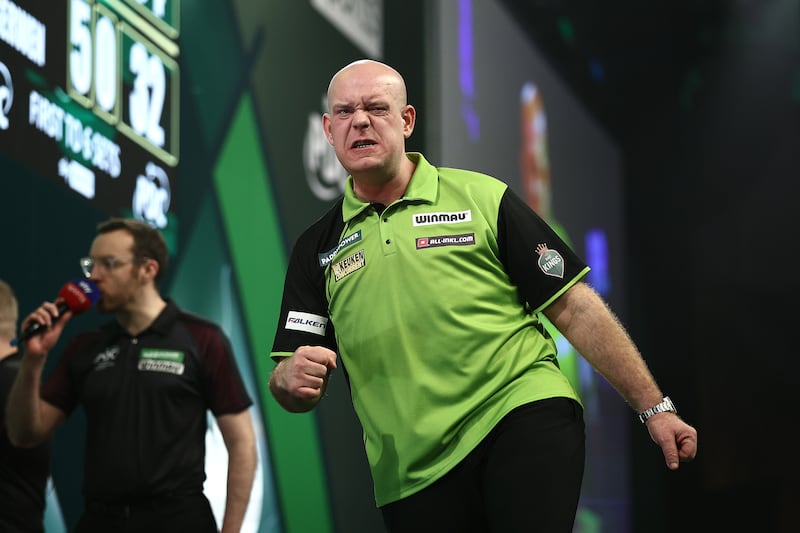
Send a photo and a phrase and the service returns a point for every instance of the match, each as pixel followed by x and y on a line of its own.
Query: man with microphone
pixel 145 381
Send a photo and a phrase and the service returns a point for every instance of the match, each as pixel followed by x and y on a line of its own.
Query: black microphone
pixel 77 296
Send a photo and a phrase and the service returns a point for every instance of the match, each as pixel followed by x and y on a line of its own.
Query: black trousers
pixel 525 476
pixel 168 514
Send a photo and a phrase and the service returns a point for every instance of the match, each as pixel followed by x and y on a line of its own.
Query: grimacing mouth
pixel 362 143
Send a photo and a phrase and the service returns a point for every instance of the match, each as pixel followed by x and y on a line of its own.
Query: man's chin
pixel 104 307
pixel 363 159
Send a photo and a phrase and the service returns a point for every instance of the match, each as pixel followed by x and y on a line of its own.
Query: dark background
pixel 703 97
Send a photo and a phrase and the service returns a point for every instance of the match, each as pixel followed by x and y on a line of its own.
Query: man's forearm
pixel 596 333
pixel 242 462
pixel 23 413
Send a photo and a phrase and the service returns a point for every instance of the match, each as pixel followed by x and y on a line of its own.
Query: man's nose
pixel 360 118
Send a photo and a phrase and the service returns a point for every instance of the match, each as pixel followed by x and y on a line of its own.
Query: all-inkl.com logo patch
pixel 550 261
pixel 464 239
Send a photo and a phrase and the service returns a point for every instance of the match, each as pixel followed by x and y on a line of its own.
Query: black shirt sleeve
pixel 304 293
pixel 536 259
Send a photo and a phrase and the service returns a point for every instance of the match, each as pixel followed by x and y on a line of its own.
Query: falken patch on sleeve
pixel 308 322
pixel 348 265
pixel 168 361
pixel 550 261
pixel 327 257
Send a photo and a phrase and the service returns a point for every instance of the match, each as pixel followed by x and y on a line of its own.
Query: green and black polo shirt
pixel 431 303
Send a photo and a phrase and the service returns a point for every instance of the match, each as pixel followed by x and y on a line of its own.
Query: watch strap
pixel 664 406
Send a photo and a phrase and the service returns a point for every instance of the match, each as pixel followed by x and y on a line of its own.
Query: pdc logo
pixel 6 95
pixel 325 176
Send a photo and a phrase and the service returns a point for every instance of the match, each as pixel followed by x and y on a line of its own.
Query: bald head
pixel 368 70
pixel 367 123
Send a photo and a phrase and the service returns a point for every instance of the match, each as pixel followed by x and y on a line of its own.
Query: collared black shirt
pixel 146 400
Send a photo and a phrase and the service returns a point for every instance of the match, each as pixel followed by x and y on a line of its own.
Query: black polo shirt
pixel 146 400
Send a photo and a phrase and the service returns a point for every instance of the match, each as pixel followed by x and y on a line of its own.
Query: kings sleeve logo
pixel 550 261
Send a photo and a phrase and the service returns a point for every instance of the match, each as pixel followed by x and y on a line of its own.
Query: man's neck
pixel 139 316
pixel 384 193
pixel 383 190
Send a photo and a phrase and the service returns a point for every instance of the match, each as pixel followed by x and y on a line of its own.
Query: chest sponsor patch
pixel 464 239
pixel 428 219
pixel 167 361
pixel 550 261
pixel 348 265
pixel 306 322
pixel 106 359
pixel 327 257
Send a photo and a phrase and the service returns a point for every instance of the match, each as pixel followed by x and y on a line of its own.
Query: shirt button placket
pixel 386 235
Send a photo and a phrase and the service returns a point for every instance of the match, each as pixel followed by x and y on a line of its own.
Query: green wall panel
pixel 258 254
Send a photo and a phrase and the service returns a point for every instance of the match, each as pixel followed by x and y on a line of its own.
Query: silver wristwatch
pixel 663 406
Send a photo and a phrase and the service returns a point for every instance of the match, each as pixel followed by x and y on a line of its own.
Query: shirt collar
pixel 422 187
pixel 161 325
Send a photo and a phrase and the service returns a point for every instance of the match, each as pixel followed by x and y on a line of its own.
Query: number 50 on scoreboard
pixel 122 76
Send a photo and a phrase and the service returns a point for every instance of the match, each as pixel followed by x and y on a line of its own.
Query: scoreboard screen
pixel 89 97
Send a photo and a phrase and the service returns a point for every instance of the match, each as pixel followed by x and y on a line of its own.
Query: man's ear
pixel 409 115
pixel 150 268
pixel 326 128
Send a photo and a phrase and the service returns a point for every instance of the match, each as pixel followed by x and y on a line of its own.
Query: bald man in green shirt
pixel 427 285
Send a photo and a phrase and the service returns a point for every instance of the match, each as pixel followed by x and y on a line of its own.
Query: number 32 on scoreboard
pixel 123 77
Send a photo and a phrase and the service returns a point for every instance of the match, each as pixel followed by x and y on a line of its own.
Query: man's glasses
pixel 107 263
